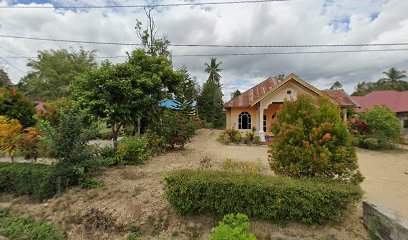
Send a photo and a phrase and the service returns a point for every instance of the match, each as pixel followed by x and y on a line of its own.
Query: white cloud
pixel 292 22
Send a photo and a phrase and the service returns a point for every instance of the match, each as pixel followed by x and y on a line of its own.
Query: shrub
pixel 233 227
pixel 20 228
pixel 54 110
pixel 15 105
pixel 175 128
pixel 251 134
pixel 230 135
pixel 383 125
pixel 68 141
pixel 29 143
pixel 132 150
pixel 265 197
pixel 10 130
pixel 206 162
pixel 38 180
pixel 312 141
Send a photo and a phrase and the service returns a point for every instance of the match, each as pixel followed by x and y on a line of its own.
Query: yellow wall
pixel 280 94
pixel 273 108
pixel 235 114
pixel 270 105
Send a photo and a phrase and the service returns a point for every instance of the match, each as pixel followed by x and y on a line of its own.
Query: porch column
pixel 261 125
pixel 344 114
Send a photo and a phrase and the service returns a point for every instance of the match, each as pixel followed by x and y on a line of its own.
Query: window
pixel 244 121
pixel 406 123
pixel 264 123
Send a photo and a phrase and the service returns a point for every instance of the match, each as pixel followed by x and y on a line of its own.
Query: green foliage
pixel 38 180
pixel 19 228
pixel 230 135
pixel 213 69
pixel 210 104
pixel 189 88
pixel 4 79
pixel 175 128
pixel 15 105
pixel 54 71
pixel 233 227
pixel 54 110
pixel 391 81
pixel 235 94
pixel 312 141
pixel 133 150
pixel 135 233
pixel 67 141
pixel 275 198
pixel 383 128
pixel 124 93
pixel 29 143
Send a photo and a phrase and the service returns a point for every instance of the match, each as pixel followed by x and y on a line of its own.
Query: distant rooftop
pixel 397 101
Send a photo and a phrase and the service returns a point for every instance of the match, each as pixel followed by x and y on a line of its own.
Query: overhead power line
pixel 142 6
pixel 211 45
pixel 257 54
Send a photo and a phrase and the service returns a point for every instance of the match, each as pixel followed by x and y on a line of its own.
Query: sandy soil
pixel 133 196
pixel 386 178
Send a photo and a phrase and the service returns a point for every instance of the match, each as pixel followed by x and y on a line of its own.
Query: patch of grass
pixel 20 228
pixel 135 233
pixel 91 183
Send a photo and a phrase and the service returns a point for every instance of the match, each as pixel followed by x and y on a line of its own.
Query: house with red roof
pixel 257 107
pixel 397 101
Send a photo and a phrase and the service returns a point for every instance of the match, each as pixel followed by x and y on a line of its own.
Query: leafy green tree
pixel 189 88
pixel 213 69
pixel 67 141
pixel 391 81
pixel 15 105
pixel 54 71
pixel 4 79
pixel 336 85
pixel 313 141
pixel 235 94
pixel 383 127
pixel 210 104
pixel 126 92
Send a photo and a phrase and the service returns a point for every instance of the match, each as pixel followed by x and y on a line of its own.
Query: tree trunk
pixel 115 132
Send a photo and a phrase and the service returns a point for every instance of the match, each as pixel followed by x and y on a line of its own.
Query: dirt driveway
pixel 133 196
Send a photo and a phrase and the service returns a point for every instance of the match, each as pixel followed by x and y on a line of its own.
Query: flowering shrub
pixel 313 141
pixel 375 128
pixel 176 128
pixel 10 130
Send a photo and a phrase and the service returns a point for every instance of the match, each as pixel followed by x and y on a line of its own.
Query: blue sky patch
pixel 341 24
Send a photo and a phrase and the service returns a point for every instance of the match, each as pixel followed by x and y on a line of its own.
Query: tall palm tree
pixel 393 75
pixel 214 70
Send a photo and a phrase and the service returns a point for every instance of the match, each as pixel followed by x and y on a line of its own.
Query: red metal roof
pixel 341 97
pixel 397 101
pixel 246 98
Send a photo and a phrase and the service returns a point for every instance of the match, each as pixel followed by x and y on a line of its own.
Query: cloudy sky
pixel 293 22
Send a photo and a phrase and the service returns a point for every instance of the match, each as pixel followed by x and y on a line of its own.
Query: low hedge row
pixel 41 181
pixel 264 197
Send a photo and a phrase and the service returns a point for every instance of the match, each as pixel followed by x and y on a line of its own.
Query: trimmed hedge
pixel 41 181
pixel 264 197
